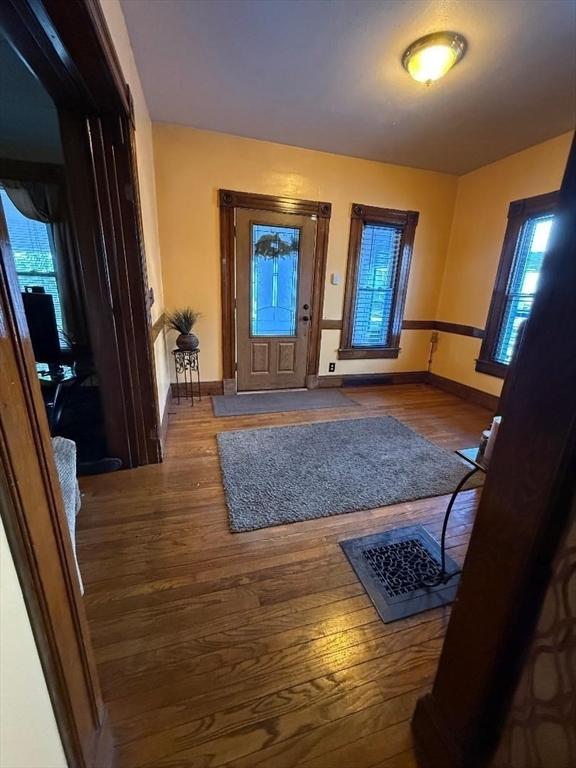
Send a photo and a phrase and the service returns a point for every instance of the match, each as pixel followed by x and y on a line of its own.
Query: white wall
pixel 145 158
pixel 29 735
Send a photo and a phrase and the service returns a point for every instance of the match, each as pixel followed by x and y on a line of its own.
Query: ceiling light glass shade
pixel 430 57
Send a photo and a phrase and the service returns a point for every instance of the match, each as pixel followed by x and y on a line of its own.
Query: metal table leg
pixel 442 578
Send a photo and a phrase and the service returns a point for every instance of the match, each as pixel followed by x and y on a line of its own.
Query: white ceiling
pixel 326 74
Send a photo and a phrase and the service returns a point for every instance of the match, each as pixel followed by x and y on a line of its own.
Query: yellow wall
pixel 146 173
pixel 457 247
pixel 480 217
pixel 29 735
pixel 191 166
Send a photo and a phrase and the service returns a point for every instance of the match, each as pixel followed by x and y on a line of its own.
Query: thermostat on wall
pixel 335 278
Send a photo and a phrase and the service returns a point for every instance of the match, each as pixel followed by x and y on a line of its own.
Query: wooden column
pixel 522 515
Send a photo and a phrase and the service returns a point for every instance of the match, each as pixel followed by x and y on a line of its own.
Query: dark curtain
pixel 46 202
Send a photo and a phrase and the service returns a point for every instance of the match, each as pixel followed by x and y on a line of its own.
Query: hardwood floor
pixel 257 649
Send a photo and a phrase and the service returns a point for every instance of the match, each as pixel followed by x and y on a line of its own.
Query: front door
pixel 274 270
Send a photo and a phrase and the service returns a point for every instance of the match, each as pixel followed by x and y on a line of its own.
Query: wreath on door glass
pixel 274 247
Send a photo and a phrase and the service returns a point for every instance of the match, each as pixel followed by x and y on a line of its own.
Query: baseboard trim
pixel 373 379
pixel 206 388
pixel 476 396
pixel 463 391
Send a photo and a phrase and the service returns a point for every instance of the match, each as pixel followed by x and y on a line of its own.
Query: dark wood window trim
pixel 228 201
pixel 518 213
pixel 362 215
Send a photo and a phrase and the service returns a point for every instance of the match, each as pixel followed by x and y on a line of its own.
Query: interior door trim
pixel 229 201
pixel 69 48
pixel 33 517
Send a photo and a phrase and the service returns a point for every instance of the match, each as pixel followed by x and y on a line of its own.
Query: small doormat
pixel 392 566
pixel 276 402
pixel 277 475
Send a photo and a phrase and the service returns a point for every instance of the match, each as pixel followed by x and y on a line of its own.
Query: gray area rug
pixel 283 475
pixel 276 402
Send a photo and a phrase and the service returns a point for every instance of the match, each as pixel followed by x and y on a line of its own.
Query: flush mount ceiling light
pixel 432 56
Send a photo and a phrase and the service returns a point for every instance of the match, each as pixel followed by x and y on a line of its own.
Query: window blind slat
pixel 32 254
pixel 374 300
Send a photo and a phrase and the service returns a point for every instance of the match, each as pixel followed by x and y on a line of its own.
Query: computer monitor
pixel 39 310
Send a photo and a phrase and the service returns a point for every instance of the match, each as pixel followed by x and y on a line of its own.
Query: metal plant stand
pixel 186 363
pixel 471 456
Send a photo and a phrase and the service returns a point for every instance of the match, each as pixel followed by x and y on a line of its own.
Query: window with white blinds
pixel 375 285
pixel 379 254
pixel 522 283
pixel 30 243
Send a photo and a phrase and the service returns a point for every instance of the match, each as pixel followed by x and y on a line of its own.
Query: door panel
pixel 275 260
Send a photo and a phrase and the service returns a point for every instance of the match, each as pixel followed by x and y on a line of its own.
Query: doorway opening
pixel 43 252
pixel 70 206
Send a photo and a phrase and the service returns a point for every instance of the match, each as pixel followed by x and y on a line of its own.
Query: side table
pixel 186 362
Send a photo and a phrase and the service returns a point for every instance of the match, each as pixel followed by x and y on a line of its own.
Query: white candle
pixel 496 421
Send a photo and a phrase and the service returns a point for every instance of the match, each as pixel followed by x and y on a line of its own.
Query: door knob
pixel 306 306
pixel 305 318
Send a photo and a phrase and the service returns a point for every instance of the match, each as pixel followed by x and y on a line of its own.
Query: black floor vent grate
pixel 402 565
pixel 392 567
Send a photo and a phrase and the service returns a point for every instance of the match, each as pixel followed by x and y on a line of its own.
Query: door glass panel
pixel 274 280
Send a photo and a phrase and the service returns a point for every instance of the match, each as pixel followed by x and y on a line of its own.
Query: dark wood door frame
pixel 68 47
pixel 229 201
pixel 37 532
pixel 522 516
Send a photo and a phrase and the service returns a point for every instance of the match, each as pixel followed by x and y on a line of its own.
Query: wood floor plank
pixel 363 752
pixel 282 615
pixel 320 727
pixel 261 649
pixel 262 676
pixel 224 666
pixel 321 740
pixel 344 692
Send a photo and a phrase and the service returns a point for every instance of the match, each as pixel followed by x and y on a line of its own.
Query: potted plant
pixel 183 320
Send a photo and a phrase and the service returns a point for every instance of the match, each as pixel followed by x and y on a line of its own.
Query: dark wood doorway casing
pixel 37 532
pixel 68 47
pixel 229 201
pixel 522 516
